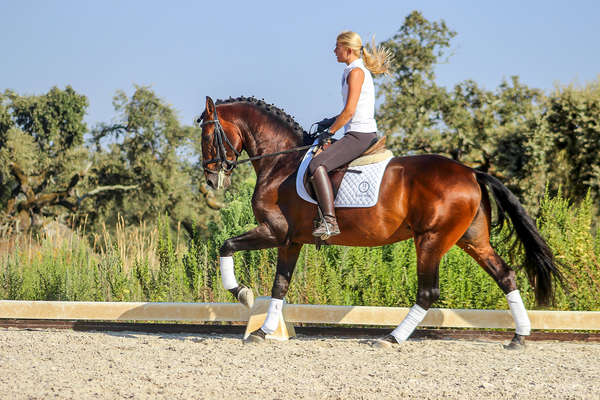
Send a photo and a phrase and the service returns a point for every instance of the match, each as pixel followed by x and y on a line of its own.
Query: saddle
pixel 375 153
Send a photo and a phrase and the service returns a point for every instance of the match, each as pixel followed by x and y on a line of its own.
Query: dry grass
pixel 133 244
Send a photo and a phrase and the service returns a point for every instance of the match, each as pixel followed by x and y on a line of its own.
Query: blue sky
pixel 276 50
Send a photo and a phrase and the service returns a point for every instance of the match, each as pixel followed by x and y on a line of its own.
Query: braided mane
pixel 273 111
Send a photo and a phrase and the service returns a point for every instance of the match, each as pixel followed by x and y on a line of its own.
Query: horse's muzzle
pixel 213 181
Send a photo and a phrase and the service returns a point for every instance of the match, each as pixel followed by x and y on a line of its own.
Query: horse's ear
pixel 210 106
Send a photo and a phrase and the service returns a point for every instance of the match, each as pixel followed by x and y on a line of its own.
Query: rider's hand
pixel 325 123
pixel 324 136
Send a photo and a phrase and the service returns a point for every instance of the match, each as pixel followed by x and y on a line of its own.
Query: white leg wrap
pixel 273 316
pixel 519 314
pixel 227 274
pixel 409 323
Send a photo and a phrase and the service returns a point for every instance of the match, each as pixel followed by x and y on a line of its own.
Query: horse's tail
pixel 539 261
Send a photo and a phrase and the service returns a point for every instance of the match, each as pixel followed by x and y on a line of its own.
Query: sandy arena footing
pixel 43 364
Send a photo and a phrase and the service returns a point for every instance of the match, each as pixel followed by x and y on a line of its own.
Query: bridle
pixel 226 165
pixel 219 141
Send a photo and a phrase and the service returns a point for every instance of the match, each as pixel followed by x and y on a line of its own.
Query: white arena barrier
pixel 293 313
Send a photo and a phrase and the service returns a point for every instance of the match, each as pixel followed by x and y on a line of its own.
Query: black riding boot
pixel 324 191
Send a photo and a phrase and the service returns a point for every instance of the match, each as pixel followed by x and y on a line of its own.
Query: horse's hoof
pixel 258 336
pixel 386 342
pixel 517 343
pixel 246 297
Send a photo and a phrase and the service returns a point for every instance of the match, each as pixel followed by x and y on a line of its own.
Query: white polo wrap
pixel 409 323
pixel 227 274
pixel 519 314
pixel 273 316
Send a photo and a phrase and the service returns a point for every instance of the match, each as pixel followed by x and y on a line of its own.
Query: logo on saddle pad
pixel 364 187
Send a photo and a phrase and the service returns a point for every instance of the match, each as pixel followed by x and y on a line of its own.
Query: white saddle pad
pixel 357 189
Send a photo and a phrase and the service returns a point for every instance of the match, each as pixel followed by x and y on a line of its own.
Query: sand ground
pixel 46 364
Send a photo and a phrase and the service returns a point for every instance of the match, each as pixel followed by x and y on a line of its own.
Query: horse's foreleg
pixel 429 254
pixel 260 237
pixel 286 262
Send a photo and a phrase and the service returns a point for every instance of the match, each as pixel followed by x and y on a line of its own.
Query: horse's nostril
pixel 210 182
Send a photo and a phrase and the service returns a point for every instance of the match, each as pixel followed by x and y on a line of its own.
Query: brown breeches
pixel 342 151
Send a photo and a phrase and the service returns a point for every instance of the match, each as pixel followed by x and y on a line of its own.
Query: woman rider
pixel 357 118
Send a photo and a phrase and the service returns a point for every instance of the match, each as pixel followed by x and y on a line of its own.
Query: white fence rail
pixel 293 313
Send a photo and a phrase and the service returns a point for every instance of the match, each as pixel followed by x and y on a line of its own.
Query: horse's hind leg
pixel 476 243
pixel 431 246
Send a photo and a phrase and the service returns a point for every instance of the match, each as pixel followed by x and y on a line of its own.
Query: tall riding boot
pixel 324 191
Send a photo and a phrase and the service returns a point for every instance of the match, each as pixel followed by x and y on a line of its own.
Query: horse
pixel 436 201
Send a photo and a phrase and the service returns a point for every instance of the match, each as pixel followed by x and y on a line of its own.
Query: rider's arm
pixel 356 77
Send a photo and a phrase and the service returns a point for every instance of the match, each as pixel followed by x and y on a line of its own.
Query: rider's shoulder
pixel 356 73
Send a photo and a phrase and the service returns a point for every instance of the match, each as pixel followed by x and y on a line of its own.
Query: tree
pixel 6 124
pixel 43 162
pixel 501 132
pixel 145 165
pixel 573 116
pixel 410 113
pixel 148 148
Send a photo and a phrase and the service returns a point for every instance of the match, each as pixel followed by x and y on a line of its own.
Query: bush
pixel 141 264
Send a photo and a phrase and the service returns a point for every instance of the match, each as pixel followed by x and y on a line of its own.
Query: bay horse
pixel 434 200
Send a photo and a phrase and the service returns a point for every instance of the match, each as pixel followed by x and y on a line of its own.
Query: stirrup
pixel 327 234
pixel 324 224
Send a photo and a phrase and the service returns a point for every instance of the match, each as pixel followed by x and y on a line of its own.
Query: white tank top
pixel 363 119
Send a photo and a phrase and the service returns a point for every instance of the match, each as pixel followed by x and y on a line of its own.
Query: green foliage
pixel 515 132
pixel 200 272
pixel 6 122
pixel 568 230
pixel 412 99
pixel 573 115
pixel 54 120
pixel 136 169
pixel 169 281
pixel 499 132
pixel 147 147
pixel 110 278
pixel 41 154
pixel 20 148
pixel 51 270
pixel 68 269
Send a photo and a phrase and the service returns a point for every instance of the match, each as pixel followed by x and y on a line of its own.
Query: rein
pixel 226 165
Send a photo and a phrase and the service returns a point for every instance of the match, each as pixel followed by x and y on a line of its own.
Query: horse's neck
pixel 279 168
pixel 260 139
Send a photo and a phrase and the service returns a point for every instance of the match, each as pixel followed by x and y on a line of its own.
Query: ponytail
pixel 377 59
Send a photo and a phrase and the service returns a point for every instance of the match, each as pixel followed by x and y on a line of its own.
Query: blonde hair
pixel 377 59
